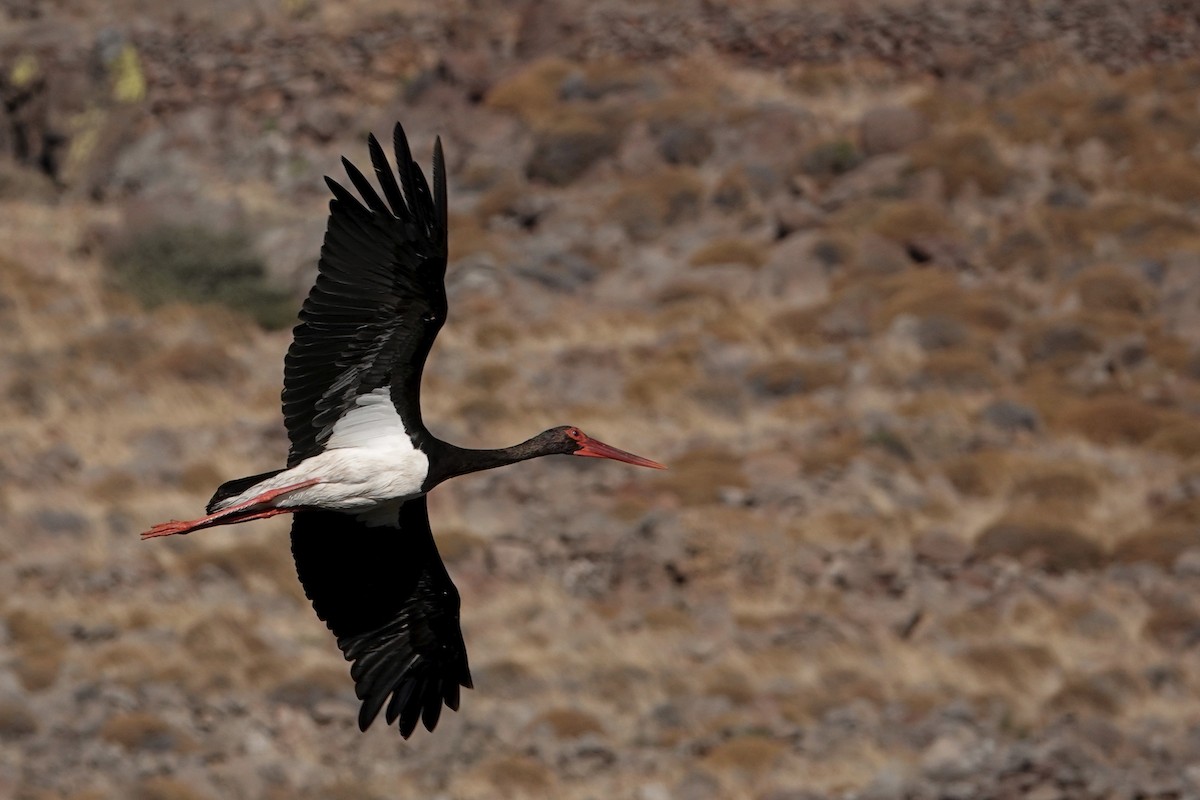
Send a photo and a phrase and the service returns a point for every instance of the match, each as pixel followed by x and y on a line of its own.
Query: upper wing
pixel 378 302
pixel 386 596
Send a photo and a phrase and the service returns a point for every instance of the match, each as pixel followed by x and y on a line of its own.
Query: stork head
pixel 569 440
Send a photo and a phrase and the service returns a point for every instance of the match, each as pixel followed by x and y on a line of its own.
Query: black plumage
pixel 388 599
pixel 378 302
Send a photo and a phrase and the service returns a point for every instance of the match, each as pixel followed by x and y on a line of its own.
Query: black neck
pixel 448 461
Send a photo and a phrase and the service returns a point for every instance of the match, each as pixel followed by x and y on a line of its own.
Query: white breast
pixel 369 464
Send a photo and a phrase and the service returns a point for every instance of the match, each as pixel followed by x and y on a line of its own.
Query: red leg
pixel 242 512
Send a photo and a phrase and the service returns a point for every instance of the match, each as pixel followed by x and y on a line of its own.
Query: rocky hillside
pixel 906 295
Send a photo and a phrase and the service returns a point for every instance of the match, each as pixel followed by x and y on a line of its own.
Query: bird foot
pixel 242 512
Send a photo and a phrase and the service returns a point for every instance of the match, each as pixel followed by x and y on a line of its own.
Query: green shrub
pixel 193 264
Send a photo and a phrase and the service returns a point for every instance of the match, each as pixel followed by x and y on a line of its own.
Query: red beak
pixel 593 448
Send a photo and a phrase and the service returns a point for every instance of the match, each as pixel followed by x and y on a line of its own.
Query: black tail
pixel 237 486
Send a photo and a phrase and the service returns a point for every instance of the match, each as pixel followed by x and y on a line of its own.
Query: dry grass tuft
pixel 699 475
pixel 140 731
pixel 785 377
pixel 1108 289
pixel 1174 177
pixel 568 723
pixel 1173 623
pixel 1144 228
pixel 1058 344
pixel 1057 485
pixel 749 754
pixel 1044 541
pixel 644 207
pixel 163 787
pixel 729 251
pixel 566 146
pixel 195 362
pixel 40 649
pixel 16 721
pixel 519 776
pixel 964 157
pixel 979 474
pixel 1161 543
pixel 959 368
pixel 533 90
pixel 245 561
pixel 1180 437
pixel 903 221
pixel 1017 664
pixel 1105 693
pixel 1114 419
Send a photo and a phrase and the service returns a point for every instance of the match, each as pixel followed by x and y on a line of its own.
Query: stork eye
pixel 573 433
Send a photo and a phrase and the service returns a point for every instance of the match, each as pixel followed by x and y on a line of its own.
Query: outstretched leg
pixel 241 512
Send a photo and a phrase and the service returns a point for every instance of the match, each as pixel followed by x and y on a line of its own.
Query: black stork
pixel 361 460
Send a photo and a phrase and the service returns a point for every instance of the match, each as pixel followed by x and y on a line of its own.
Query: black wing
pixel 378 302
pixel 388 599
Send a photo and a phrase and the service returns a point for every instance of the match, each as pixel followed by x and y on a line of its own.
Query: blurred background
pixel 907 294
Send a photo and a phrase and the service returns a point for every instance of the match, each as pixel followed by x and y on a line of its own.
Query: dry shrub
pixel 1058 344
pixel 519 776
pixel 225 651
pixel 800 325
pixel 310 688
pixel 495 334
pixel 751 754
pixel 566 146
pixel 959 368
pixel 533 90
pixel 192 264
pixel 456 544
pixel 964 157
pixel 40 649
pixel 1044 541
pixel 141 731
pixel 1039 113
pixel 195 362
pixel 698 476
pixel 163 787
pixel 729 251
pixel 200 477
pixel 1114 419
pixel 784 377
pixel 245 559
pixel 922 293
pixel 470 237
pixel 644 207
pixel 839 687
pixel 1144 228
pixel 1187 511
pixel 1173 177
pixel 1107 289
pixel 979 474
pixel 16 721
pixel 832 452
pixel 1181 438
pixel 1100 693
pixel 904 221
pixel 1016 663
pixel 1057 485
pixel 1020 249
pixel 832 158
pixel 568 723
pixel 1160 543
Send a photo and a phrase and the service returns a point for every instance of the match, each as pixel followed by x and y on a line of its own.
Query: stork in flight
pixel 361 460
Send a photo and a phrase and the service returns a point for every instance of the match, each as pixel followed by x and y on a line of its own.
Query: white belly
pixel 369 465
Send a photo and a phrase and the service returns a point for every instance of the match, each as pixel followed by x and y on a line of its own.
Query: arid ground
pixel 907 294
